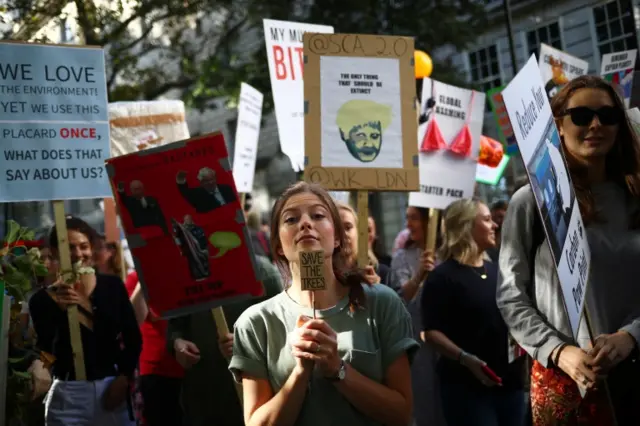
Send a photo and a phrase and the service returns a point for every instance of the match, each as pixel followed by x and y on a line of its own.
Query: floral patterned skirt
pixel 556 401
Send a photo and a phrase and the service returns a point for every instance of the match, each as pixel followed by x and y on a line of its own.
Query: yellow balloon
pixel 424 65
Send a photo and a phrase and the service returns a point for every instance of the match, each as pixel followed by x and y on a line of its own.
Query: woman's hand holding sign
pixel 316 341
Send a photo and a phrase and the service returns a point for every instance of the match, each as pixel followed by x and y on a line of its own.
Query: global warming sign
pixel 54 129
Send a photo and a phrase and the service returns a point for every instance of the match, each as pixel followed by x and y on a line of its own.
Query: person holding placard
pixel 110 336
pixel 195 343
pixel 376 272
pixel 461 320
pixel 603 159
pixel 409 267
pixel 411 264
pixel 351 365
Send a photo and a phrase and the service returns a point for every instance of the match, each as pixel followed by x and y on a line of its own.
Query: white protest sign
pixel 449 142
pixel 285 55
pixel 634 118
pixel 617 69
pixel 54 125
pixel 247 134
pixel 539 144
pixel 557 68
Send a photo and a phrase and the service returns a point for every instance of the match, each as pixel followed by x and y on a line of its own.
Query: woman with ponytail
pixel 348 366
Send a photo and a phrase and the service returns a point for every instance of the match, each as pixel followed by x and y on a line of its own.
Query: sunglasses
pixel 583 116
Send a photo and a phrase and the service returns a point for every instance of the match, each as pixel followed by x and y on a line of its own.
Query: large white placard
pixel 54 125
pixel 285 55
pixel 539 143
pixel 447 173
pixel 557 68
pixel 247 134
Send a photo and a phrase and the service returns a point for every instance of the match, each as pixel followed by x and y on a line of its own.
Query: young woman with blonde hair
pixel 350 366
pixel 462 321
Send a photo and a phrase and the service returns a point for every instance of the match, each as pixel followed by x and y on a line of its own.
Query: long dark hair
pixel 346 274
pixel 78 225
pixel 622 162
pixel 424 220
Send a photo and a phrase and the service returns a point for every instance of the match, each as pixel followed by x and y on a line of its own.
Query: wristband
pixel 461 355
pixel 557 356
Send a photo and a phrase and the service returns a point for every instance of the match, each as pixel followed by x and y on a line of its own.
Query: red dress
pixel 556 401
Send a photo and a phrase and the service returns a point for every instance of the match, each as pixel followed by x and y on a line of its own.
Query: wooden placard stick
pixel 432 230
pixel 362 207
pixel 72 311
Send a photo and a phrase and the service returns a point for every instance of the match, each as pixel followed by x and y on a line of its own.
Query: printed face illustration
pixel 364 141
pixel 208 179
pixel 188 220
pixel 361 124
pixel 137 189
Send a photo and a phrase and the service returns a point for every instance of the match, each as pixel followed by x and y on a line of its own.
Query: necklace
pixel 484 272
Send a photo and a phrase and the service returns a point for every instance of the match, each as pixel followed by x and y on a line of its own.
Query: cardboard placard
pixel 360 118
pixel 283 40
pixel 54 129
pixel 450 144
pixel 540 147
pixel 617 69
pixel 185 226
pixel 312 270
pixel 557 68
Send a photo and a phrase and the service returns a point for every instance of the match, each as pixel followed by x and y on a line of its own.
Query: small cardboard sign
pixel 312 270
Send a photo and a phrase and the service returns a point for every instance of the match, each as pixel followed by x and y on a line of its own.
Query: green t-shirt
pixel 369 339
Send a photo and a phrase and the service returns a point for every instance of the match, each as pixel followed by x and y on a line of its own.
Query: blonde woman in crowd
pixel 376 272
pixel 603 157
pixel 462 321
pixel 350 366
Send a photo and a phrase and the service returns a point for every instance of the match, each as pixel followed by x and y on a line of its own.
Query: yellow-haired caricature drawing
pixel 361 124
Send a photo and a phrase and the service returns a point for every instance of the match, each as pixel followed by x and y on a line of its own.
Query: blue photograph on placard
pixel 552 187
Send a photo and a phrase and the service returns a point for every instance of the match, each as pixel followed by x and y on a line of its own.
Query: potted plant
pixel 20 265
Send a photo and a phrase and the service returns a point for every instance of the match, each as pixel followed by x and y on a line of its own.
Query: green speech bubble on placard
pixel 224 241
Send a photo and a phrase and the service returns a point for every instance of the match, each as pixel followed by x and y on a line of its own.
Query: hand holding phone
pixel 491 374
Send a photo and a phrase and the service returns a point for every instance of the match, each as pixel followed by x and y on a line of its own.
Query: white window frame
pixel 546 25
pixel 594 32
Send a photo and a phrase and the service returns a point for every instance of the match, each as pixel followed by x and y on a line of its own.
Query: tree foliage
pixel 203 49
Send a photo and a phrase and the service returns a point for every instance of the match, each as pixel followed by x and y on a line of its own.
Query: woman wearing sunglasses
pixel 603 158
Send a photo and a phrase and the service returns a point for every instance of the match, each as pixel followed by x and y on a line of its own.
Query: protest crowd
pixel 197 308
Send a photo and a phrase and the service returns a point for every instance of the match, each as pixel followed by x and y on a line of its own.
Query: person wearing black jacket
pixel 111 340
pixel 478 385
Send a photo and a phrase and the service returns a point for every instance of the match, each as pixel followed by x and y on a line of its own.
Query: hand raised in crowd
pixel 611 349
pixel 316 342
pixel 187 353
pixel 225 344
pixel 578 365
pixel 116 393
pixel 475 366
pixel 427 264
pixel 370 275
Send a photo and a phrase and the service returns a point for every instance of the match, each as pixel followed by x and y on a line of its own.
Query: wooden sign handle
pixel 72 311
pixel 363 228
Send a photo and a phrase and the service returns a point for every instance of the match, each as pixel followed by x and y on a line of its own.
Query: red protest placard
pixel 185 226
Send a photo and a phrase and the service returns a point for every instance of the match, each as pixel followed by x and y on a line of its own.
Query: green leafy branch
pixel 19 265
